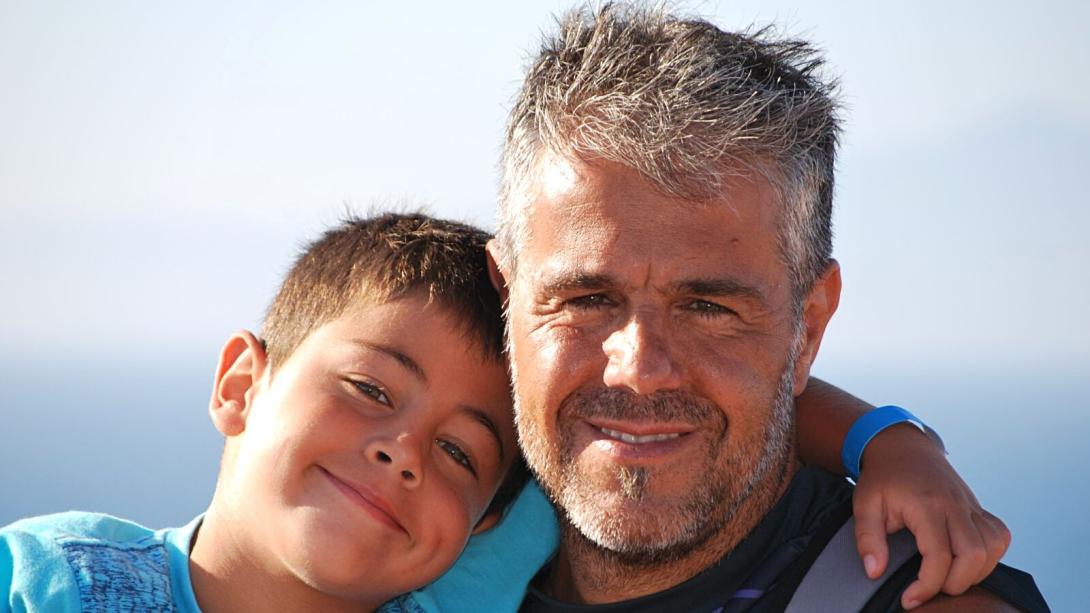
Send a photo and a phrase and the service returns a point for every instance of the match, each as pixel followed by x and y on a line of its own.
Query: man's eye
pixel 591 301
pixel 708 309
pixel 455 452
pixel 372 391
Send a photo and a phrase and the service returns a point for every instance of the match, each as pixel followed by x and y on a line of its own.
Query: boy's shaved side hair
pixel 383 258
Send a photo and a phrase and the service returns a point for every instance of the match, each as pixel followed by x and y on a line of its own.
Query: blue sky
pixel 161 163
pixel 148 145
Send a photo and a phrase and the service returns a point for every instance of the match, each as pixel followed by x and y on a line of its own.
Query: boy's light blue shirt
pixel 93 562
pixel 497 565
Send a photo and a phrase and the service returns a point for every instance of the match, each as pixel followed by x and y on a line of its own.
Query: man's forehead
pixel 554 175
pixel 602 224
pixel 582 187
pixel 590 207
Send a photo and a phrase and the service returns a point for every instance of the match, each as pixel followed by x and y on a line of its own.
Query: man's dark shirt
pixel 764 569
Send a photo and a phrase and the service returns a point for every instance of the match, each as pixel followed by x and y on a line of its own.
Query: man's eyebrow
pixel 718 287
pixel 402 359
pixel 576 280
pixel 486 421
pixel 709 286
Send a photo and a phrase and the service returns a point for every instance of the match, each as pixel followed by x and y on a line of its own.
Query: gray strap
pixel 837 582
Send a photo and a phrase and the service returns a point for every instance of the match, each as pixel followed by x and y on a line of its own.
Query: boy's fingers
pixel 908 598
pixel 870 536
pixel 997 539
pixel 970 554
pixel 933 541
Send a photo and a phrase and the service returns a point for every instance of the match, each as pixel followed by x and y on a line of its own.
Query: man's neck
pixel 584 573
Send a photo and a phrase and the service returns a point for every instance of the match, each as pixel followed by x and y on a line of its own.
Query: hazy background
pixel 161 164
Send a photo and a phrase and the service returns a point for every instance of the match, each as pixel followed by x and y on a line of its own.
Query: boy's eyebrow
pixel 402 359
pixel 487 422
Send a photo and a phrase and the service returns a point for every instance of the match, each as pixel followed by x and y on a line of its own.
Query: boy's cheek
pixel 453 516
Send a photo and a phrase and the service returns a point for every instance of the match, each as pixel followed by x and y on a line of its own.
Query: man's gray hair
pixel 683 103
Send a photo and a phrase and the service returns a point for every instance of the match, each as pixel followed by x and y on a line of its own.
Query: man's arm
pixel 905 482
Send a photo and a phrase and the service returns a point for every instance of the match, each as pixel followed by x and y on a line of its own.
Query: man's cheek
pixel 559 361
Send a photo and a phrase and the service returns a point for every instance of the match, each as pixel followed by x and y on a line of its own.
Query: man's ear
pixel 243 362
pixel 499 277
pixel 818 309
pixel 488 522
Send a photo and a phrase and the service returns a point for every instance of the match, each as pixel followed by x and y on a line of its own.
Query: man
pixel 665 243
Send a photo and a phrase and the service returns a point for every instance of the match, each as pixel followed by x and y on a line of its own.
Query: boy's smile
pixel 370 455
pixel 364 497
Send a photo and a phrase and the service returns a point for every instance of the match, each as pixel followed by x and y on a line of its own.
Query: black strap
pixel 836 580
pixel 786 586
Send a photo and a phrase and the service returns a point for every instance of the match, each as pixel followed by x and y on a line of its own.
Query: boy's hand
pixel 906 482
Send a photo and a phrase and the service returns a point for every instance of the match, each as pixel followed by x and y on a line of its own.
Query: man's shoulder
pixel 83 561
pixel 1005 584
pixel 828 576
pixel 1016 587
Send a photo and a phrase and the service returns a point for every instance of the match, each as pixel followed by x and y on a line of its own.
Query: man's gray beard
pixel 637 538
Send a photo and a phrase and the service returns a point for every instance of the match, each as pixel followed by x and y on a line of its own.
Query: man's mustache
pixel 622 404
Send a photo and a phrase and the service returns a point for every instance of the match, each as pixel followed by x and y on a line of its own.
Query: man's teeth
pixel 633 438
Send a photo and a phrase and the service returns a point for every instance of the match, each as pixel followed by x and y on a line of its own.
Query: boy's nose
pixel 399 455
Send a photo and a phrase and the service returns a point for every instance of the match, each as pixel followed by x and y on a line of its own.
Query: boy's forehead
pixel 424 333
pixel 416 307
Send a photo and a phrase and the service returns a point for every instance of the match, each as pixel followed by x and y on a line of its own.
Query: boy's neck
pixel 229 574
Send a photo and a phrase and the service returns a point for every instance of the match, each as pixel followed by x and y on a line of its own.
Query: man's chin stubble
pixel 707 512
pixel 704 518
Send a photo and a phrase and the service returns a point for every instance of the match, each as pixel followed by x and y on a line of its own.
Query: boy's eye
pixel 456 454
pixel 372 391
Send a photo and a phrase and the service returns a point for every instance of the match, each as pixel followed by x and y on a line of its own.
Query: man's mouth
pixel 638 439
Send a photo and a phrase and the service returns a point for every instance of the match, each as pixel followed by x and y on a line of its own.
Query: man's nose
pixel 400 454
pixel 640 358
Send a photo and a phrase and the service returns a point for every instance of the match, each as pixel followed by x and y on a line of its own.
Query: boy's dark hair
pixel 383 258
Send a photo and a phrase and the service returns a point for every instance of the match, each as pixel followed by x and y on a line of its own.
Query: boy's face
pixel 370 455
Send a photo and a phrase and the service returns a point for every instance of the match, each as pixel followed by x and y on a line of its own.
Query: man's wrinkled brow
pixel 576 280
pixel 722 287
pixel 705 286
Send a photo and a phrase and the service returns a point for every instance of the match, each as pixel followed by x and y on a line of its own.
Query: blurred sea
pixel 133 439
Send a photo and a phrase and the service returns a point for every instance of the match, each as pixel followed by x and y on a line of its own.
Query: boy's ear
pixel 498 276
pixel 488 522
pixel 242 363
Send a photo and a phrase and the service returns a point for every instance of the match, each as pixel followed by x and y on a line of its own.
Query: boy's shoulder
pixel 78 525
pixel 90 561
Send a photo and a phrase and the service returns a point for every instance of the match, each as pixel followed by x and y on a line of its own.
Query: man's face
pixel 653 343
pixel 371 453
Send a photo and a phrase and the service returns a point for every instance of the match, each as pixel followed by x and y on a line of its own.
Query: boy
pixel 368 436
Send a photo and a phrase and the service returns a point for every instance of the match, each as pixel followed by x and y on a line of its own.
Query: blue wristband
pixel 867 426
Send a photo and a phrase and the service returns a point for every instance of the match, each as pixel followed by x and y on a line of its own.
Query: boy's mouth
pixel 366 499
